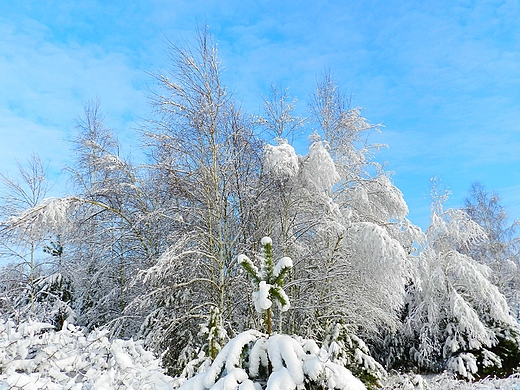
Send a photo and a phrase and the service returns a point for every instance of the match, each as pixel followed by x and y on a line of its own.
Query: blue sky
pixel 442 77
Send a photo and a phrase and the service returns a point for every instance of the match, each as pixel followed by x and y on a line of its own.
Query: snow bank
pixel 34 356
pixel 446 381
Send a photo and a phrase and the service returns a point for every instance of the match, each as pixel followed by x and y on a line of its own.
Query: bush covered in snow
pixel 348 350
pixel 34 356
pixel 255 361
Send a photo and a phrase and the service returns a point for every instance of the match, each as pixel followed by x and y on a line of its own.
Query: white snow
pixel 33 356
pixel 281 379
pixel 231 381
pixel 286 352
pixel 281 160
pixel 319 169
pixel 249 385
pixel 287 304
pixel 228 357
pixel 261 297
pixel 266 240
pixel 244 259
pixel 284 262
pixel 258 357
pixel 338 377
pixel 446 381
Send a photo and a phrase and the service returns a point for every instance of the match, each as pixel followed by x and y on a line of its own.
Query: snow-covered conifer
pixel 254 360
pixel 347 349
pixel 268 280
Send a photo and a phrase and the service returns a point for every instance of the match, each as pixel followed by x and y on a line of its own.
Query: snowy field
pixel 445 382
pixel 442 383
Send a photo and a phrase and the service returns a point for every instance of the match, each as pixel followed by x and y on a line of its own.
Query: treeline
pixel 151 251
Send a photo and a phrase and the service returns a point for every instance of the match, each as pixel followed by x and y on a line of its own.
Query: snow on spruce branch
pixel 255 361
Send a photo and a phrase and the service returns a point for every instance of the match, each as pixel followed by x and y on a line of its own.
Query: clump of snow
pixel 266 241
pixel 258 357
pixel 319 169
pixel 284 262
pixel 227 361
pixel 33 356
pixel 243 259
pixel 380 198
pixel 281 160
pixel 338 377
pixel 49 215
pixel 465 364
pixel 286 353
pixel 261 297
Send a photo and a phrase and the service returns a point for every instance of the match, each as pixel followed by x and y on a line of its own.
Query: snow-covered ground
pixel 446 382
pixel 33 356
pixel 441 383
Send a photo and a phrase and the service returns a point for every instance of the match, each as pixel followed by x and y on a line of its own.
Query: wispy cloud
pixel 443 77
pixel 44 86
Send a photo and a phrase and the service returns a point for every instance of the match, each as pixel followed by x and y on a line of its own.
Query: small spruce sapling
pixel 214 333
pixel 268 280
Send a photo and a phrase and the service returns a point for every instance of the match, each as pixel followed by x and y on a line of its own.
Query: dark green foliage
pixel 54 249
pixel 508 350
pixel 54 294
pixel 214 333
pixel 350 351
pixel 269 276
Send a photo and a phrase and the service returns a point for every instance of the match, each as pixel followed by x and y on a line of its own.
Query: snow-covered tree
pixel 338 213
pixel 117 229
pixel 277 118
pixel 348 350
pixel 254 361
pixel 500 249
pixel 175 304
pixel 151 251
pixel 207 161
pixel 456 319
pixel 30 240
